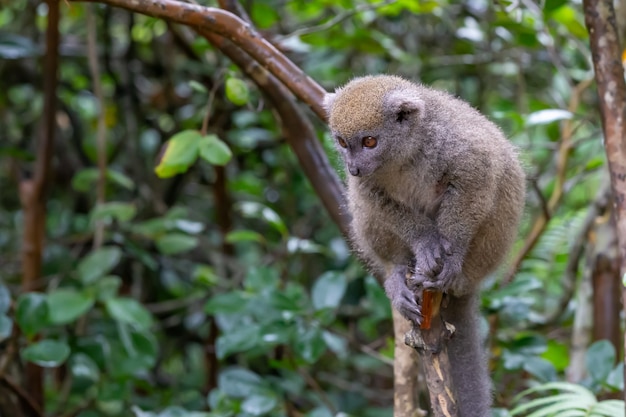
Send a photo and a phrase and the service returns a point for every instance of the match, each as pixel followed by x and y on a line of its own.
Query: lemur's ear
pixel 329 99
pixel 403 105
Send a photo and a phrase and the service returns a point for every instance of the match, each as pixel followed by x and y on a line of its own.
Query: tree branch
pixel 297 130
pixel 606 53
pixel 240 33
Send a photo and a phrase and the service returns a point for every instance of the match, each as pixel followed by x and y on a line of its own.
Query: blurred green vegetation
pixel 230 286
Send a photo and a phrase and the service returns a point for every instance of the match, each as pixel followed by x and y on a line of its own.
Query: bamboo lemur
pixel 434 186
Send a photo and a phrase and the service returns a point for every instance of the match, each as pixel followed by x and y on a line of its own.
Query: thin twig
pixel 94 69
pixel 23 395
pixel 563 154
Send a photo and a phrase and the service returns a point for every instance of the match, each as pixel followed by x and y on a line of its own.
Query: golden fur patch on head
pixel 358 106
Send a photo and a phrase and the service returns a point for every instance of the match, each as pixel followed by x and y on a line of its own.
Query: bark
pixel 33 194
pixel 430 342
pixel 606 285
pixel 606 52
pixel 405 372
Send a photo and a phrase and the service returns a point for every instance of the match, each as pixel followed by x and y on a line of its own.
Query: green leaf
pixel 259 404
pixel 551 5
pixel 261 279
pixel 114 210
pixel 66 305
pixel 336 343
pixel 84 369
pixel 180 152
pixel 31 313
pixel 174 243
pixel 328 290
pixel 540 368
pixel 297 245
pixel 120 179
pixel 47 353
pixel 558 355
pixel 154 227
pixel 571 19
pixel 214 150
pixel 615 379
pixel 6 327
pixel 237 91
pixel 85 180
pixel 196 86
pixel 98 263
pixel 227 303
pixel 310 344
pixel 243 338
pixel 5 299
pixel 205 275
pixel 127 310
pixel 256 210
pixel 107 287
pixel 238 236
pixel 600 360
pixel 239 382
pixel 264 15
pixel 14 46
pixel 188 226
pixel 135 352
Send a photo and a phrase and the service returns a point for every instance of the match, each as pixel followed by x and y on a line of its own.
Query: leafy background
pixel 221 284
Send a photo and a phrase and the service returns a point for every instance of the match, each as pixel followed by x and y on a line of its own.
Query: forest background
pixel 209 280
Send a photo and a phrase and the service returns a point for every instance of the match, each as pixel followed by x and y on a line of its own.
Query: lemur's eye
pixel 369 142
pixel 342 142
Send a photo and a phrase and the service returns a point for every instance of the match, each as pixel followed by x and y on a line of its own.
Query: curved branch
pixel 232 28
pixel 298 131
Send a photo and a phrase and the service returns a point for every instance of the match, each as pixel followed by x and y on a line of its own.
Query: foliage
pixel 221 284
pixel 573 400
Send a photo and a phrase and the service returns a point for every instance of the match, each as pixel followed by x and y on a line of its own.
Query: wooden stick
pixel 430 341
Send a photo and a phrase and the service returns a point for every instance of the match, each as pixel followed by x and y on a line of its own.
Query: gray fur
pixel 441 192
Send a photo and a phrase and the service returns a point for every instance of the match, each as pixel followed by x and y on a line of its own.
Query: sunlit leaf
pixel 237 91
pixel 543 117
pixel 180 152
